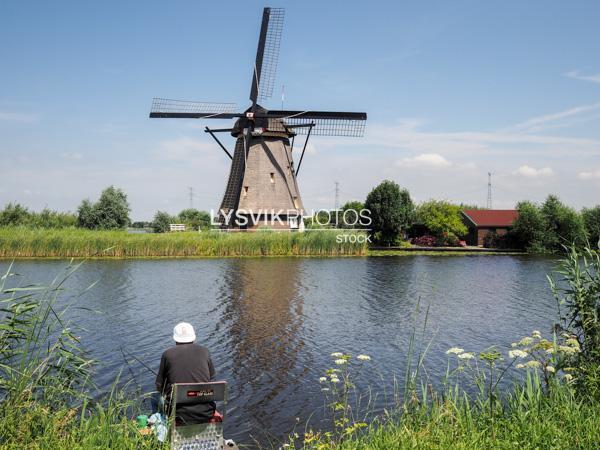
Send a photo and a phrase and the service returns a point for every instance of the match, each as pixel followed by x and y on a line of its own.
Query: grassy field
pixel 66 243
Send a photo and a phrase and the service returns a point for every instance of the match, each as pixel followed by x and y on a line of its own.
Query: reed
pixel 18 242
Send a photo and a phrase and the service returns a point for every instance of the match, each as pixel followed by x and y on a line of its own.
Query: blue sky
pixel 452 89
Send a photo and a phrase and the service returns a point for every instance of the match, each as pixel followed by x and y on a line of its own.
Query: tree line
pixel 546 227
pixel 109 212
pixel 395 219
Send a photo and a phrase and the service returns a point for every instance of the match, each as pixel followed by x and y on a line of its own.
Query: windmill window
pixel 245 191
pixel 295 202
pixel 272 177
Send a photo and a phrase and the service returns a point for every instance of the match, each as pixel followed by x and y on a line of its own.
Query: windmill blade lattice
pixel 163 107
pixel 267 55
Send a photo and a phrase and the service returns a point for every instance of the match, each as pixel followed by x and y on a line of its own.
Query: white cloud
pixel 532 172
pixel 17 117
pixel 539 123
pixel 184 149
pixel 434 160
pixel 594 78
pixel 593 175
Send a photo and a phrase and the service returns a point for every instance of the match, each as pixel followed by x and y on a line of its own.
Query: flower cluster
pixel 549 356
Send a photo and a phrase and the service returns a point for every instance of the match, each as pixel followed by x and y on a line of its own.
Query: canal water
pixel 272 323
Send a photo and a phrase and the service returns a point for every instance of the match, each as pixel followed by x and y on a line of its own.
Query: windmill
pixel 262 181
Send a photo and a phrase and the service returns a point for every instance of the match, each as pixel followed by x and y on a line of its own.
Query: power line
pixel 489 194
pixel 191 194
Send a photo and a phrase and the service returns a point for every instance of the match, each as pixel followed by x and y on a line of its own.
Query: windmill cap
pixel 183 333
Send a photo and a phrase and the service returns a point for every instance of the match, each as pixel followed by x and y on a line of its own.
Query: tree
pixel 349 216
pixel 391 210
pixel 195 219
pixel 530 229
pixel 111 211
pixel 565 225
pixel 442 219
pixel 591 221
pixel 86 217
pixel 161 222
pixel 14 214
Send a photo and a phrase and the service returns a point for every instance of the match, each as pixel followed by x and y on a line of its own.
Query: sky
pixel 453 90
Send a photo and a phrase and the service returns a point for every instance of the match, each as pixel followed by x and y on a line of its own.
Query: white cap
pixel 183 333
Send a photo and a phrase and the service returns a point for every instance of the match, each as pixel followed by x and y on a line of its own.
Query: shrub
pixel 591 221
pixel 195 219
pixel 441 218
pixel 111 211
pixel 391 210
pixel 577 293
pixel 161 222
pixel 425 241
pixel 14 214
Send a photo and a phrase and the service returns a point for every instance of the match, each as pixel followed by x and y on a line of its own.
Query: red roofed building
pixel 480 222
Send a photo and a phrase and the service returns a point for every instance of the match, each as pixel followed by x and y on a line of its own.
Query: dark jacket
pixel 186 363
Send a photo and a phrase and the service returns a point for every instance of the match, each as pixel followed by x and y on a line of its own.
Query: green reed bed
pixel 46 392
pixel 66 243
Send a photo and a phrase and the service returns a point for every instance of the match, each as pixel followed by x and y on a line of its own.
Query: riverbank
pixel 23 242
pixel 550 404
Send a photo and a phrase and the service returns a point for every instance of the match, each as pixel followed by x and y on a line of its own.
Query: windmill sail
pixel 267 55
pixel 326 123
pixel 182 109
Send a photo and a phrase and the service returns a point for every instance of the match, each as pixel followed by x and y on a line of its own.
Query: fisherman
pixel 186 362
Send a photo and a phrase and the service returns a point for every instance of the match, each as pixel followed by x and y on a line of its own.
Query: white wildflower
pixel 526 341
pixel 340 361
pixel 550 369
pixel 466 355
pixel 532 364
pixel 536 334
pixel 550 350
pixel 572 343
pixel 520 366
pixel 337 354
pixel 364 357
pixel 514 344
pixel 322 379
pixel 324 389
pixel 517 354
pixel 568 377
pixel 567 349
pixel 455 350
pixel 335 380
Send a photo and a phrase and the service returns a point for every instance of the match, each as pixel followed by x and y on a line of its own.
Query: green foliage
pixel 442 219
pixel 549 227
pixel 162 221
pixel 15 214
pixel 564 224
pixel 530 228
pixel 195 219
pixel 45 378
pixel 110 212
pixel 76 243
pixel 349 216
pixel 591 220
pixel 577 292
pixel 391 211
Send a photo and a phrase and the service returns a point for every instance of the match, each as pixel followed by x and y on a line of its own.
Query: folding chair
pixel 200 435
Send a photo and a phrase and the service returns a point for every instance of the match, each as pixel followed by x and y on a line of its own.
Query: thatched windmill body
pixel 262 184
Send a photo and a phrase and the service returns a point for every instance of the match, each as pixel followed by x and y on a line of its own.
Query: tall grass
pixel 45 378
pixel 68 243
